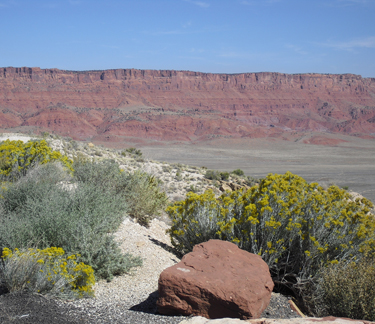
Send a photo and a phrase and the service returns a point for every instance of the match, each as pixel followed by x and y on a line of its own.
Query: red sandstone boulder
pixel 216 280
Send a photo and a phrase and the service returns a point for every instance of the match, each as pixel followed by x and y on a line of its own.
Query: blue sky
pixel 219 36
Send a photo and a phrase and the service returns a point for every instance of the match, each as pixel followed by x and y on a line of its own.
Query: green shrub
pixel 43 210
pixel 104 174
pixel 224 176
pixel 192 188
pixel 104 254
pixel 212 175
pixel 238 172
pixel 178 176
pixel 17 157
pixel 48 272
pixel 294 226
pixel 81 158
pixel 347 289
pixel 3 163
pixel 216 184
pixel 74 145
pixel 144 197
pixel 217 175
pixel 166 168
pixel 134 151
pixel 251 181
pixel 139 190
pixel 45 135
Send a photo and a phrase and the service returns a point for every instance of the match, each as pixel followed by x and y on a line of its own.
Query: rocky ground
pixel 176 179
pixel 128 298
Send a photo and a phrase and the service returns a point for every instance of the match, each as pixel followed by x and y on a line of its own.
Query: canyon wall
pixel 183 105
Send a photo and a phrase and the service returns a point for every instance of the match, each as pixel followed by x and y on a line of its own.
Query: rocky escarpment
pixel 184 105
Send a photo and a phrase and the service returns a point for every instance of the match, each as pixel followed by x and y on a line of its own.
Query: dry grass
pixel 347 290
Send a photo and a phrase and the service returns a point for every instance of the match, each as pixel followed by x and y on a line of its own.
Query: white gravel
pixel 132 298
pixel 14 137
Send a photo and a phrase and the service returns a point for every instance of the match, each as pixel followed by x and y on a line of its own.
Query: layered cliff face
pixel 183 105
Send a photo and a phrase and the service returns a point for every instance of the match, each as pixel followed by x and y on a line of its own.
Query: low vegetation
pixel 61 202
pixel 346 289
pixel 234 176
pixel 43 209
pixel 17 157
pixel 48 272
pixel 294 226
pixel 75 207
pixel 145 200
pixel 238 172
pixel 217 175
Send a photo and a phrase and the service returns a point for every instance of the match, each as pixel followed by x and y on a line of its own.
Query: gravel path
pixel 128 298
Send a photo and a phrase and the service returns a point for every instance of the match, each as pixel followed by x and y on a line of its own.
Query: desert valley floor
pixel 350 162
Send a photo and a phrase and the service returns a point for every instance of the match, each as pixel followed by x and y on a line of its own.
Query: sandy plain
pixel 349 163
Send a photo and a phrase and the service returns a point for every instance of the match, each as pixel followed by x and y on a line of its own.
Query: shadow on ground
pixel 23 307
pixel 147 306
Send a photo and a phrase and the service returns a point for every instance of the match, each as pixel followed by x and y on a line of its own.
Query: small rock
pixel 225 187
pixel 235 186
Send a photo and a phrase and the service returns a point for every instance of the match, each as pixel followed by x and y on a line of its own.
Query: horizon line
pixel 175 70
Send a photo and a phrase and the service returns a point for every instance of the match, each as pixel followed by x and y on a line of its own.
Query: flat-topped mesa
pixel 197 80
pixel 184 105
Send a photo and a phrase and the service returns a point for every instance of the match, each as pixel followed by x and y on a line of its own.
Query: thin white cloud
pixel 197 50
pixel 199 3
pixel 366 42
pixel 187 25
pixel 296 49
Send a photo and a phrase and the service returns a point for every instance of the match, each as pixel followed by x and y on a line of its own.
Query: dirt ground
pixel 350 163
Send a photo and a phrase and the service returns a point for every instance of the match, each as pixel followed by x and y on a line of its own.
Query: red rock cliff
pixel 184 105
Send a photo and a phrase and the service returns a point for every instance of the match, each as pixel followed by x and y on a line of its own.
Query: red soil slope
pixel 183 105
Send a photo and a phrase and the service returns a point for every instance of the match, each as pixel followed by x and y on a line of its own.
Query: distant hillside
pixel 115 105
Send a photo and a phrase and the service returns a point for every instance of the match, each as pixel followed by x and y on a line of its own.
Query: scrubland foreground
pixel 61 203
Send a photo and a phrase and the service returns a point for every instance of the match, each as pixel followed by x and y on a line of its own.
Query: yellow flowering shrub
pixel 47 271
pixel 16 157
pixel 293 225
